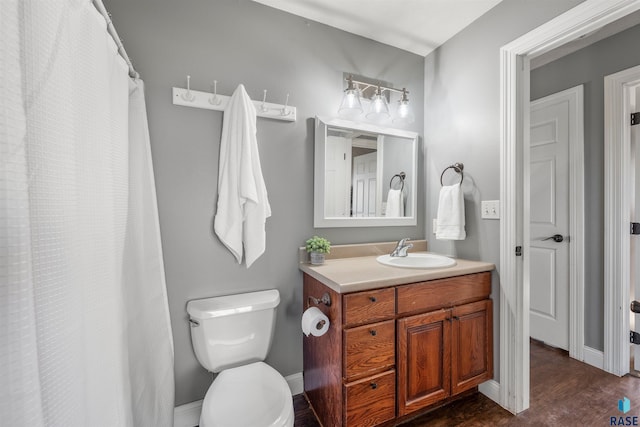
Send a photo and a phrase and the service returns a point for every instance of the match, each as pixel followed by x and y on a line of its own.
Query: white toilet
pixel 231 335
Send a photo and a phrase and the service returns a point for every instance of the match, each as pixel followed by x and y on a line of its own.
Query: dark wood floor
pixel 564 392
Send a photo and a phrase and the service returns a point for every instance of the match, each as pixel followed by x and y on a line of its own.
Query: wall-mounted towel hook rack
pixel 458 167
pixel 188 96
pixel 214 101
pixel 401 176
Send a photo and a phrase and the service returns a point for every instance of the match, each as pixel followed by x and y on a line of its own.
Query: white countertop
pixel 345 275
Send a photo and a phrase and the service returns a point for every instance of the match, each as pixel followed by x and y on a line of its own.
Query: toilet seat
pixel 253 395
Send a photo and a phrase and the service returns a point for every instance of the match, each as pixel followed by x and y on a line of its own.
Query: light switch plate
pixel 490 209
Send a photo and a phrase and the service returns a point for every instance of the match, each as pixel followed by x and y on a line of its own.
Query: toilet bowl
pixel 231 336
pixel 254 395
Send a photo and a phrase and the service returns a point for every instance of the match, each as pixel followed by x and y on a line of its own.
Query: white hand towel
pixel 395 204
pixel 243 206
pixel 450 221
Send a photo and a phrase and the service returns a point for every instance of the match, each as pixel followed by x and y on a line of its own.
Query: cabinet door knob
pixel 373 332
pixel 373 299
pixel 374 386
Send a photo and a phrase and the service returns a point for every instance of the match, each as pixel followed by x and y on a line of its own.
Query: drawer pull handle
pixel 373 299
pixel 374 386
pixel 373 332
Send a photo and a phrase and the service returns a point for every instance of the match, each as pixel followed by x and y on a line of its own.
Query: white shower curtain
pixel 85 338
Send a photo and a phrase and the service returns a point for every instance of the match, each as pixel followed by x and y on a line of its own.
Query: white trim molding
pixel 514 186
pixel 187 415
pixel 617 217
pixel 593 357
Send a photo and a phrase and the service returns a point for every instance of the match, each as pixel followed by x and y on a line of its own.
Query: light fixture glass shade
pixel 350 107
pixel 404 113
pixel 379 109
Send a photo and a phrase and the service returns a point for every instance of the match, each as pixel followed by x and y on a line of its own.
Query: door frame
pixel 617 266
pixel 576 218
pixel 586 17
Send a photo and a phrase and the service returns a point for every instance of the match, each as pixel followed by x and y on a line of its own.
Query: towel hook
pixel 188 96
pixel 285 110
pixel 401 176
pixel 215 100
pixel 264 107
pixel 458 167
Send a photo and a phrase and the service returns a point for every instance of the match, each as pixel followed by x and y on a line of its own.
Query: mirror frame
pixel 319 220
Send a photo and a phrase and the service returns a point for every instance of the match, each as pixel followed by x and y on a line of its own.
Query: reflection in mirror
pixel 365 175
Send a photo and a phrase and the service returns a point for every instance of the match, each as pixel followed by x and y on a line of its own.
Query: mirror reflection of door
pixel 338 176
pixel 364 184
pixel 365 180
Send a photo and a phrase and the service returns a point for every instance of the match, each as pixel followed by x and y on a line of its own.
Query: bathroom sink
pixel 417 260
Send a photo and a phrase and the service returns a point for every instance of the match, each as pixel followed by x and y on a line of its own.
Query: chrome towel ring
pixel 400 176
pixel 458 167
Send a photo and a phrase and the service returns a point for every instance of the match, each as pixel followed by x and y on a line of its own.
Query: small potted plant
pixel 317 248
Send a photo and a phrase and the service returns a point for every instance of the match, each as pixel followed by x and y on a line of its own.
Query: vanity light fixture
pixel 404 114
pixel 378 110
pixel 351 106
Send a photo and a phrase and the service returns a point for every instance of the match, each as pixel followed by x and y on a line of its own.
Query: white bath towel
pixel 395 204
pixel 450 221
pixel 243 206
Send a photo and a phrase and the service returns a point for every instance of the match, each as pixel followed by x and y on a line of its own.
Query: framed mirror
pixel 364 175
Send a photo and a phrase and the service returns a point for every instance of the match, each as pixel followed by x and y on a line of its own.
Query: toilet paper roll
pixel 314 322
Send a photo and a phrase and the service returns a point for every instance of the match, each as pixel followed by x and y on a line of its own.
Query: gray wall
pixel 588 67
pixel 462 122
pixel 239 41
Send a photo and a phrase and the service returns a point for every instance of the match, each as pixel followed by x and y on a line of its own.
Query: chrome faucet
pixel 401 248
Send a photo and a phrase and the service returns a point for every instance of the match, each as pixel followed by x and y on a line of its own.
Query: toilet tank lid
pixel 233 304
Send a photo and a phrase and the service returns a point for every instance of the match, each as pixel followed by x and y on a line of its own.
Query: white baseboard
pixel 491 389
pixel 296 383
pixel 188 415
pixel 594 357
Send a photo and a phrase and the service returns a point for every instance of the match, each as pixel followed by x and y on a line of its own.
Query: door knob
pixel 556 238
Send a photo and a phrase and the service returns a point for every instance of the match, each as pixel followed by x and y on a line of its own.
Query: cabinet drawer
pixel 369 306
pixel 369 349
pixel 435 294
pixel 371 401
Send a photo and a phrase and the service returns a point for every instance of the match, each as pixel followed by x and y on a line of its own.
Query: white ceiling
pixel 418 26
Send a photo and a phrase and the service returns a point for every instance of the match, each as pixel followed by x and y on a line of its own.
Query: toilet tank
pixel 233 330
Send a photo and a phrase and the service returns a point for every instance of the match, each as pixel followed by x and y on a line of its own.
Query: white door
pixel 635 217
pixel 549 212
pixel 365 176
pixel 337 182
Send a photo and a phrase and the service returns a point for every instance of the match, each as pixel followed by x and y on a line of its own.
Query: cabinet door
pixel 471 346
pixel 424 345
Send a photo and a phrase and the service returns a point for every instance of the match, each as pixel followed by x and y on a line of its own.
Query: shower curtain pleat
pixel 85 338
pixel 148 324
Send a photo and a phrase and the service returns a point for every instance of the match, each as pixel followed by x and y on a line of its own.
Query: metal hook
pixel 264 107
pixel 285 110
pixel 214 100
pixel 188 96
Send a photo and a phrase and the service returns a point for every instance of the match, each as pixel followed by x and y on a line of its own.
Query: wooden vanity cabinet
pixel 393 351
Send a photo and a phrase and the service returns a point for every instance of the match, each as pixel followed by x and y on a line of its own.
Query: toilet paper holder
pixel 325 299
